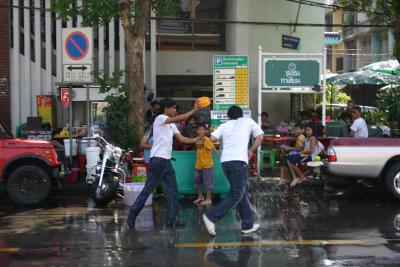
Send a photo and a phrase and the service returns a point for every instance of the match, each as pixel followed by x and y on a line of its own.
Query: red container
pixel 73 178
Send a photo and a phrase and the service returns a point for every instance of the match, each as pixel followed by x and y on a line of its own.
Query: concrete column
pixel 376 47
pixel 391 43
pixel 59 50
pixel 79 18
pixel 15 74
pixel 122 65
pixel 37 74
pixel 28 100
pixel 101 48
pixel 49 84
pixel 111 47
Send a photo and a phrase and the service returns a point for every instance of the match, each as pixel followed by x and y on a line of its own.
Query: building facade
pixel 178 56
pixel 360 45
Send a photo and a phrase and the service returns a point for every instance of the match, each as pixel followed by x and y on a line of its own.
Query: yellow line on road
pixel 9 249
pixel 272 243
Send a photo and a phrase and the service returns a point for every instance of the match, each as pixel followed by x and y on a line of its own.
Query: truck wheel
pixel 28 185
pixel 392 181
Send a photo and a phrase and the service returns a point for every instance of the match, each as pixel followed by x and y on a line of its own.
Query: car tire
pixel 392 181
pixel 28 185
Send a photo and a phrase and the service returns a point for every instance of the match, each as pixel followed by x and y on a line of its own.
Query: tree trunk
pixel 135 93
pixel 134 38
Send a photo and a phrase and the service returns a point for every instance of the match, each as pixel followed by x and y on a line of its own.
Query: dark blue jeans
pixel 160 169
pixel 236 172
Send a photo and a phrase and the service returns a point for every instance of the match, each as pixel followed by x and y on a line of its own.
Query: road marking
pixel 10 249
pixel 272 243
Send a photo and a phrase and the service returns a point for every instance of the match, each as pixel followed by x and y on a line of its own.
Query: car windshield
pixel 4 132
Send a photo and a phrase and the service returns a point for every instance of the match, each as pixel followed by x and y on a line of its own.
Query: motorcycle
pixel 109 178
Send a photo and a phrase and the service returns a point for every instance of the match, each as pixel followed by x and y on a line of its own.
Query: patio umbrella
pixel 367 77
pixel 364 79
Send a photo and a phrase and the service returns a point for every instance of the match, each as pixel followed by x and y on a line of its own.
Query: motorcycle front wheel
pixel 107 191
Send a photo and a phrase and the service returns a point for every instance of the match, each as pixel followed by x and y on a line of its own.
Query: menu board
pixel 231 82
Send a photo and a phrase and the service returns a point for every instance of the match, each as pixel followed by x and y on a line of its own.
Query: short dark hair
pixel 201 125
pixel 264 113
pixel 167 103
pixel 350 102
pixel 298 125
pixel 319 130
pixel 358 108
pixel 154 103
pixel 235 112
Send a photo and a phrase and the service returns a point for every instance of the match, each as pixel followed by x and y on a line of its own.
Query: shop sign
pixel 220 116
pixel 286 73
pixel 332 38
pixel 230 81
pixel 45 108
pixel 65 97
pixel 290 42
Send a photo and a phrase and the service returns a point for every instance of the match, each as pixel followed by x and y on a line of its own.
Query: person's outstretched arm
pixel 182 117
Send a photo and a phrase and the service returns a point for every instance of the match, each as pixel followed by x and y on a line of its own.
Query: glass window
pixel 183 34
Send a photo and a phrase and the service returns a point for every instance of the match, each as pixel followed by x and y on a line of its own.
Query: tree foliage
pixel 333 95
pixel 135 17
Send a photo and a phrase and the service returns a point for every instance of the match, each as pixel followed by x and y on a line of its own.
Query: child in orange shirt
pixel 204 175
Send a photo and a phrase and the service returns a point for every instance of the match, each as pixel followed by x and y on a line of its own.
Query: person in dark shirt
pixel 346 115
pixel 189 130
pixel 153 111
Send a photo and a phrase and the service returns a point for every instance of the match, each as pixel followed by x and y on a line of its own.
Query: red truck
pixel 28 168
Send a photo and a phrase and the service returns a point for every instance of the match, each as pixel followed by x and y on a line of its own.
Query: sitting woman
pixel 312 148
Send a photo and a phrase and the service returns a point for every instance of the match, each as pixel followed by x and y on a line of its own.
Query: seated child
pixel 298 146
pixel 312 148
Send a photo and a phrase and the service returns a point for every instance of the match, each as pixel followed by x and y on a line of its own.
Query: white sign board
pixel 77 47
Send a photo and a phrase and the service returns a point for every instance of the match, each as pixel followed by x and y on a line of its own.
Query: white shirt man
pixel 235 135
pixel 359 127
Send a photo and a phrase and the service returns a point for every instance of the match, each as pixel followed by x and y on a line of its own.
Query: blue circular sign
pixel 77 45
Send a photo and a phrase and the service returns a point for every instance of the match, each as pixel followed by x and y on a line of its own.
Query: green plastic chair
pixel 271 154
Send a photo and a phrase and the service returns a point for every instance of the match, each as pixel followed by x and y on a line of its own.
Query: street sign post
pixel 231 81
pixel 77 55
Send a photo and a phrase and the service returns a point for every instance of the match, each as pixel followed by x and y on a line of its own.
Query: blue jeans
pixel 236 172
pixel 160 169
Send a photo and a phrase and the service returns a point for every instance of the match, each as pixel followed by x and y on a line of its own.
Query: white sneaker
pixel 255 227
pixel 209 225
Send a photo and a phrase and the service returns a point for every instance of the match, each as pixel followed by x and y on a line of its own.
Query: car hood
pixel 26 143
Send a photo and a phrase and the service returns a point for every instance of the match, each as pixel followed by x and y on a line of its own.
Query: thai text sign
pixel 289 73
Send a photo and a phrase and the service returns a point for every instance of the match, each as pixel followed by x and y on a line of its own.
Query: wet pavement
pixel 301 227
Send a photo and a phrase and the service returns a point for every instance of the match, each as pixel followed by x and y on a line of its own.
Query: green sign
pixel 231 81
pixel 290 73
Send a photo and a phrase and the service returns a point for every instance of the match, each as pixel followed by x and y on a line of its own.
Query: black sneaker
pixel 131 221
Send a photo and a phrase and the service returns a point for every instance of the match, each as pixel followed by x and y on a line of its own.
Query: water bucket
pixel 67 147
pixel 92 143
pixel 73 178
pixel 83 144
pixel 132 191
pixel 92 156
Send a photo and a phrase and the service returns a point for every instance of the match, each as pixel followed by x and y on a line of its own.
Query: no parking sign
pixel 77 55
